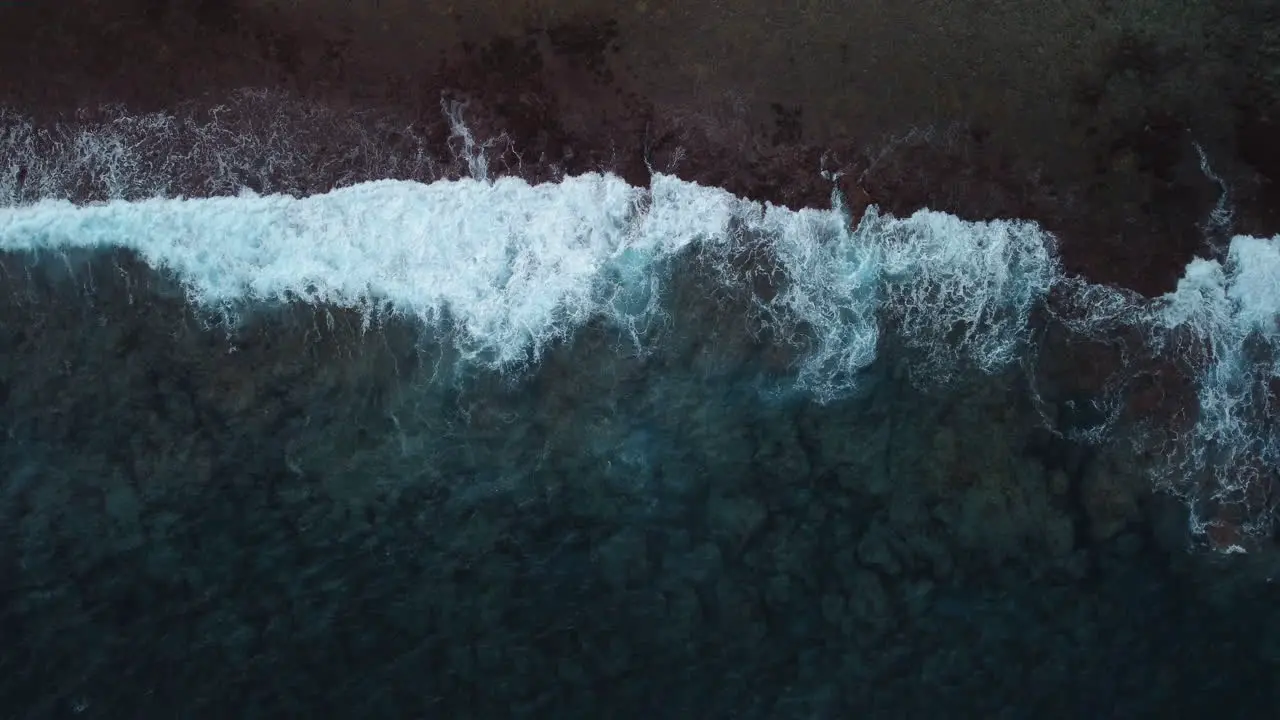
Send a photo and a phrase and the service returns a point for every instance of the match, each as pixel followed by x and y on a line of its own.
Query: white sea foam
pixel 511 267
pixel 517 266
pixel 260 139
pixel 1224 319
pixel 962 292
pixel 512 264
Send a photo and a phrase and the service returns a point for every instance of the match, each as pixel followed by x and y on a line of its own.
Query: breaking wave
pixel 506 269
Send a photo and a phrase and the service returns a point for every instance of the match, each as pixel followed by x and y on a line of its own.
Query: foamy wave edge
pixel 516 267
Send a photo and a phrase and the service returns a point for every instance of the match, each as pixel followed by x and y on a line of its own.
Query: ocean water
pixel 589 447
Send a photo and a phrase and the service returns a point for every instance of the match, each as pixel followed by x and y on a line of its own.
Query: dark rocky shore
pixel 1084 117
pixel 318 527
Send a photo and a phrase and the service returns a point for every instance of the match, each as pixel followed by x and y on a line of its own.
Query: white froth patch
pixel 512 264
pixel 1255 285
pixel 835 288
pixel 962 292
pixel 1225 319
pixel 257 138
pixel 968 288
pixel 516 266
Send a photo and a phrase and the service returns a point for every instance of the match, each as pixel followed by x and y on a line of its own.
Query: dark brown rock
pixel 1096 143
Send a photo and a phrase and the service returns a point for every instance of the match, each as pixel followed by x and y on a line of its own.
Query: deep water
pixel 299 510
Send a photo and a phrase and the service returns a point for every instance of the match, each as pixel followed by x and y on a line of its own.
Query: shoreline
pixel 570 97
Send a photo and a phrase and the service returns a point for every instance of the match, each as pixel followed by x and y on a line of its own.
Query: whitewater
pixel 508 270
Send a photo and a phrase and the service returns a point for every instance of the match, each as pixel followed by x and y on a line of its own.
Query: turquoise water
pixel 479 447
